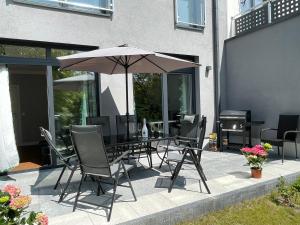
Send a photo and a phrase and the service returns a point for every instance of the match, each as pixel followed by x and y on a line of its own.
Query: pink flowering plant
pixel 13 208
pixel 257 155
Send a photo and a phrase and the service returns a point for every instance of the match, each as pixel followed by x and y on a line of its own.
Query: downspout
pixel 215 34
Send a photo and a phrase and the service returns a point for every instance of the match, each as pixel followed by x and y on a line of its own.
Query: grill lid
pixel 233 113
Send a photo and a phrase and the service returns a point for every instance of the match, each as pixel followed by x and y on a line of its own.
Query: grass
pixel 262 210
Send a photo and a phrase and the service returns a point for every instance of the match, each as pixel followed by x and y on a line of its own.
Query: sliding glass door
pixel 149 92
pixel 148 99
pixel 180 97
pixel 74 101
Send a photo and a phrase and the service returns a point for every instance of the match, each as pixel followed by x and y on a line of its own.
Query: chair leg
pixel 150 157
pixel 176 172
pixel 174 176
pixel 282 160
pixel 200 171
pixel 165 154
pixel 67 184
pixel 60 176
pixel 140 148
pixel 78 192
pixel 169 165
pixel 116 181
pixel 163 158
pixel 296 148
pixel 99 188
pixel 128 179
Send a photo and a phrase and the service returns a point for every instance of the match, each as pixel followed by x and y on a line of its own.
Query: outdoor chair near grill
pixel 188 132
pixel 89 146
pixel 67 157
pixel 191 154
pixel 286 131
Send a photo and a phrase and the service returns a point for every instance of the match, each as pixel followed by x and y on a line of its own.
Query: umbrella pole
pixel 127 107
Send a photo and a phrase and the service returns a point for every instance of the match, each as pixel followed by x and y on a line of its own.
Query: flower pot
pixel 256 173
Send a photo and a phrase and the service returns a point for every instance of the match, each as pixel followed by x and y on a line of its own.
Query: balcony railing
pixel 267 13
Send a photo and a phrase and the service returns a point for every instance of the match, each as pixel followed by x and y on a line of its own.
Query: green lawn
pixel 260 211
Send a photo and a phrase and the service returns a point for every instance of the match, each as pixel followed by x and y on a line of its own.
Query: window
pixel 22 51
pixel 62 52
pixel 100 7
pixel 190 13
pixel 246 5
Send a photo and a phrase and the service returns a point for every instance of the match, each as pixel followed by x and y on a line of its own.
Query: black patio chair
pixel 67 157
pixel 93 161
pixel 104 121
pixel 121 121
pixel 286 131
pixel 191 154
pixel 189 129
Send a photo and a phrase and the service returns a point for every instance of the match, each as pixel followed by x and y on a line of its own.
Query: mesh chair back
pixel 287 122
pixel 48 137
pixel 104 121
pixel 90 149
pixel 121 121
pixel 202 127
pixel 189 126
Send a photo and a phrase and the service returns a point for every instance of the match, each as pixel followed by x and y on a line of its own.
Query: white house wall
pixel 141 23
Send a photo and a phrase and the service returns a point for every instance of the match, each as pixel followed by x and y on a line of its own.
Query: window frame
pixel 253 6
pixel 107 12
pixel 187 25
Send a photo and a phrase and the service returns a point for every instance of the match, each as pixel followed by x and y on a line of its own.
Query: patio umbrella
pixel 123 59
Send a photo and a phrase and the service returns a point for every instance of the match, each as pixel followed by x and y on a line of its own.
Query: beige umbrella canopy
pixel 115 60
pixel 123 60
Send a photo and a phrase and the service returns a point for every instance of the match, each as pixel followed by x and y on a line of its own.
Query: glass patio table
pixel 117 144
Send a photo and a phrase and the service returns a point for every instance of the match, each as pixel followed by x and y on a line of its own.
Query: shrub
pixel 13 206
pixel 286 195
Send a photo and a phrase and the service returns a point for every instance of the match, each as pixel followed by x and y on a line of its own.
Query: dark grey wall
pixel 262 72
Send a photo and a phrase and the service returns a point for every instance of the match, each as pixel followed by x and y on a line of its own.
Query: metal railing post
pixel 269 12
pixel 232 27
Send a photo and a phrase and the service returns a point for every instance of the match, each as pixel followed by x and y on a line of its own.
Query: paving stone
pixel 228 179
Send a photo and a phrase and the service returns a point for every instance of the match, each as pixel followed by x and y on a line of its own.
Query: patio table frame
pixel 136 142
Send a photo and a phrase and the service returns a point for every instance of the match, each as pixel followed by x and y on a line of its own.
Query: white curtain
pixel 8 150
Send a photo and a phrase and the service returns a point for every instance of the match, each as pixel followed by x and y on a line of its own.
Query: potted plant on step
pixel 256 156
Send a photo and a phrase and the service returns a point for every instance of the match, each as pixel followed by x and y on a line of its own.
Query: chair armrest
pixel 186 138
pixel 120 157
pixel 71 156
pixel 195 149
pixel 290 132
pixel 264 130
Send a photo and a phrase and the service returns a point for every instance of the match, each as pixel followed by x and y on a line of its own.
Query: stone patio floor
pixel 228 179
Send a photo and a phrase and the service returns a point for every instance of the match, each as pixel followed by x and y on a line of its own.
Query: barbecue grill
pixel 236 123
